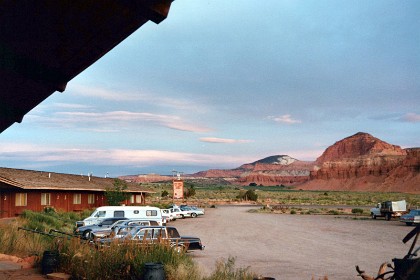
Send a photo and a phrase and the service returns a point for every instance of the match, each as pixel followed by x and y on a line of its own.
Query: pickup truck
pixel 157 234
pixel 389 209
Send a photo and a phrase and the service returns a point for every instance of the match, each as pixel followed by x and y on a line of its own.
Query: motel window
pixel 21 199
pixel 45 199
pixel 91 198
pixel 138 198
pixel 77 198
pixel 132 199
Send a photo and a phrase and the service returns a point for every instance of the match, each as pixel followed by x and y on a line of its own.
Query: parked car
pixel 168 215
pixel 413 217
pixel 87 232
pixel 194 211
pixel 185 211
pixel 154 235
pixel 179 214
pixel 114 228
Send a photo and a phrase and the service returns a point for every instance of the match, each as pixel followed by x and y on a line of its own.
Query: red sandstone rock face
pixel 274 170
pixel 357 145
pixel 364 163
pixel 358 163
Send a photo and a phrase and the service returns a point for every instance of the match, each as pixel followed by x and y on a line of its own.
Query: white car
pixel 166 213
pixel 193 211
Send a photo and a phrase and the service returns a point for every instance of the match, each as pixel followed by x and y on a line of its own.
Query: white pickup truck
pixel 389 209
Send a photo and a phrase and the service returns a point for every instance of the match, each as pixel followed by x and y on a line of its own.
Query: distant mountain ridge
pixel 359 162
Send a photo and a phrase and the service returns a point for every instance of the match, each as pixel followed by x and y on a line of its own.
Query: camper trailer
pixel 130 212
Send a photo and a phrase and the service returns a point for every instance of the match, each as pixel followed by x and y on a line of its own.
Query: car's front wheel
pixel 194 215
pixel 88 235
pixel 179 249
pixel 373 216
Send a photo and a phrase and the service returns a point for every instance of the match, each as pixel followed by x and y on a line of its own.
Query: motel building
pixel 35 190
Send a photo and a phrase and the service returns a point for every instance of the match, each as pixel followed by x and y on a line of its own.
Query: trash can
pixel 153 271
pixel 50 262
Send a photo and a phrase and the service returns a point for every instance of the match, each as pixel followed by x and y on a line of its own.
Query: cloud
pixel 411 117
pixel 155 99
pixel 115 120
pixel 122 157
pixel 71 106
pixel 105 94
pixel 287 119
pixel 223 140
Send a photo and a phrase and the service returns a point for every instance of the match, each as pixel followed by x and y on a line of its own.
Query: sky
pixel 222 83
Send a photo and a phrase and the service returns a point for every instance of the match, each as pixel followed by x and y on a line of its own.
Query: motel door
pixel 5 205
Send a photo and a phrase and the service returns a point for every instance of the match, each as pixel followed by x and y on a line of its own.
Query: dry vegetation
pixel 278 195
pixel 84 260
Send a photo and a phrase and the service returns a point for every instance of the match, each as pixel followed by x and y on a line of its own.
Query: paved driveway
pixel 295 246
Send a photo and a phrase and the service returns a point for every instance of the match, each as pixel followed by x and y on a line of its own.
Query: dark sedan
pixel 155 234
pixel 411 218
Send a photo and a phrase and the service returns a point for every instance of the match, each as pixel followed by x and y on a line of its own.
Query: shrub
pixel 226 270
pixel 117 194
pixel 333 212
pixel 293 212
pixel 164 193
pixel 121 261
pixel 248 195
pixel 357 211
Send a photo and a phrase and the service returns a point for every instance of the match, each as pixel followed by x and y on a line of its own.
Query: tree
pixel 189 191
pixel 248 195
pixel 164 193
pixel 251 195
pixel 116 195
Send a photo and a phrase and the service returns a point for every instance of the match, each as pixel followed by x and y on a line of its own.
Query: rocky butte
pixel 364 163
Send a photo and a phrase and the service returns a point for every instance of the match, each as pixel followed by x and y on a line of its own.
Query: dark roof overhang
pixel 44 44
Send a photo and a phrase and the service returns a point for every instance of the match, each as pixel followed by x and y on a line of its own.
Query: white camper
pixel 131 212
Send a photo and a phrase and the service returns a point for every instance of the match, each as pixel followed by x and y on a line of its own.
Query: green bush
pixel 357 211
pixel 333 212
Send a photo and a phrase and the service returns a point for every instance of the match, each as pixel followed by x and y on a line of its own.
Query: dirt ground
pixel 287 246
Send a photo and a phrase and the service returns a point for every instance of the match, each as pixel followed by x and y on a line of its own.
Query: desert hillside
pixel 360 162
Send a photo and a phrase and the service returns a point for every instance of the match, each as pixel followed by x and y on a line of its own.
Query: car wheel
pixel 388 217
pixel 87 235
pixel 179 249
pixel 373 216
pixel 194 215
pixel 409 224
pixel 182 217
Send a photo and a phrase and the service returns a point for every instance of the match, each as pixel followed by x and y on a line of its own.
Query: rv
pixel 130 212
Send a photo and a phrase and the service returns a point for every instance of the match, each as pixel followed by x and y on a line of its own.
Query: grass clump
pixel 121 260
pixel 357 211
pixel 226 270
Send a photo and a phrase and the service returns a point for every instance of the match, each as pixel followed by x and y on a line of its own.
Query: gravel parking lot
pixel 287 246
